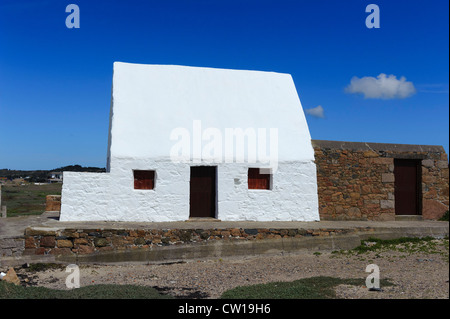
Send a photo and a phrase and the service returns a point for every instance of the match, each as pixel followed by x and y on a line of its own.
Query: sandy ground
pixel 414 275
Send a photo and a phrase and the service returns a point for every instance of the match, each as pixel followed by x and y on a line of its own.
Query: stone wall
pixel 435 187
pixel 93 241
pixel 356 180
pixel 53 203
pixel 11 247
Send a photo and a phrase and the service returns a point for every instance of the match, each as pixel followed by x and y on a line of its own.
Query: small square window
pixel 256 180
pixel 144 179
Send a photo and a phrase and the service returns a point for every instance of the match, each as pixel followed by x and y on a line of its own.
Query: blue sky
pixel 55 82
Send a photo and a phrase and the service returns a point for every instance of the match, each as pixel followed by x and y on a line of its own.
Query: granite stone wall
pixel 94 241
pixel 356 180
pixel 53 203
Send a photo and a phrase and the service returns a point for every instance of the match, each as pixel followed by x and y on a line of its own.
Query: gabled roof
pixel 150 101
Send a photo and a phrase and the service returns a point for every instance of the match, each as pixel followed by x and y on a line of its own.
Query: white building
pixel 188 142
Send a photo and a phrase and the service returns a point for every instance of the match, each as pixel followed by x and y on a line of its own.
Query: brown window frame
pixel 144 179
pixel 259 181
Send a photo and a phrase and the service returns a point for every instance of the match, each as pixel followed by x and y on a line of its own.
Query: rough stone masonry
pixel 91 241
pixel 356 180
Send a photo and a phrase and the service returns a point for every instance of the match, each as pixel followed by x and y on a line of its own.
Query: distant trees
pixel 79 168
pixel 41 176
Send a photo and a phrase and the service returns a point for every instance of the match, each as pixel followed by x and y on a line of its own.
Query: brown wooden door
pixel 203 191
pixel 407 187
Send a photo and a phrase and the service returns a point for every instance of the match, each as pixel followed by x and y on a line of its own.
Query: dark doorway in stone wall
pixel 408 190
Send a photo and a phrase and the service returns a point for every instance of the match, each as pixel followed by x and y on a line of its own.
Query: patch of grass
pixel 28 199
pixel 404 245
pixel 444 218
pixel 44 266
pixel 11 291
pixel 307 288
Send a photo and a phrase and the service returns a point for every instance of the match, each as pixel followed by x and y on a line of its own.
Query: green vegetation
pixel 28 199
pixel 11 291
pixel 307 288
pixel 444 218
pixel 403 245
pixel 44 266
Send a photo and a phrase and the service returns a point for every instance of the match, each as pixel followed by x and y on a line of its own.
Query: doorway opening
pixel 203 192
pixel 408 187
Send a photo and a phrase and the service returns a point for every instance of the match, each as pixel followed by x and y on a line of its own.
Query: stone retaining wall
pixel 12 247
pixel 91 241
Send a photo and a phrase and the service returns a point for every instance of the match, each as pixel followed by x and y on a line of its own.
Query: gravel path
pixel 417 275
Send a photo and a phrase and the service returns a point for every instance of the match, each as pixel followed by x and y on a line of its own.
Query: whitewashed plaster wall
pixel 112 197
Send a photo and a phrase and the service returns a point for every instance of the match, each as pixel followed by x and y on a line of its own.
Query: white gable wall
pixel 150 101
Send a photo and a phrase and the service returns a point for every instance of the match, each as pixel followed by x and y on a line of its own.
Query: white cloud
pixel 381 87
pixel 316 111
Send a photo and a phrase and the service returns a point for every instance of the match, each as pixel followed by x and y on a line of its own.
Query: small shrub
pixel 43 266
pixel 444 217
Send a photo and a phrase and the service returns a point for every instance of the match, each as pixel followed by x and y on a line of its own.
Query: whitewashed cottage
pixel 191 142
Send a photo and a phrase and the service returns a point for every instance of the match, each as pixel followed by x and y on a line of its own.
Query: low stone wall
pixel 92 241
pixel 356 180
pixel 53 203
pixel 11 247
pixel 80 245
